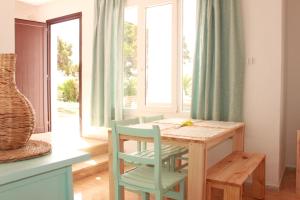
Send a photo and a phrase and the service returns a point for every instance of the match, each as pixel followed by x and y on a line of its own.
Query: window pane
pixel 188 43
pixel 159 55
pixel 130 58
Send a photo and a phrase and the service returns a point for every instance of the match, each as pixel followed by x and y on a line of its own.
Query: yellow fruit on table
pixel 187 123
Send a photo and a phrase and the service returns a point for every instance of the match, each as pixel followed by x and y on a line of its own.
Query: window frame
pixel 177 52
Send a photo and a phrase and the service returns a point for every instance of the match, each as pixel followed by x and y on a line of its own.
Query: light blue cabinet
pixel 45 178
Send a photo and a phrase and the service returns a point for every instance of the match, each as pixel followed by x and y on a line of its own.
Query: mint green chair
pixel 175 152
pixel 150 177
pixel 127 122
pixel 142 150
pixel 147 119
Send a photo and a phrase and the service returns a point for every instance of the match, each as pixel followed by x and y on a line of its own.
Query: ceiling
pixel 36 2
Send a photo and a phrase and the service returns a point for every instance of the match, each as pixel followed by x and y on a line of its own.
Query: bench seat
pixel 232 172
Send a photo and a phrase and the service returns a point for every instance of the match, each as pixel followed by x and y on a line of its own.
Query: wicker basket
pixel 16 113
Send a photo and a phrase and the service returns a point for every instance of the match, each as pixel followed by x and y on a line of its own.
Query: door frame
pixel 52 22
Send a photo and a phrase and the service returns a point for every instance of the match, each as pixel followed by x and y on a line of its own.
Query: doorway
pixel 64 70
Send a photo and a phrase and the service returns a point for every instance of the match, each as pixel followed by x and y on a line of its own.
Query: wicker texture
pixel 32 149
pixel 16 113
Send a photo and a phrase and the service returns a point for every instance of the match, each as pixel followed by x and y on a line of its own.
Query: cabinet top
pixel 59 158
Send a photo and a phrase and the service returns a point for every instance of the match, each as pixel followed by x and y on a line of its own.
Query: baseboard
pixel 281 176
pixel 274 188
pixel 271 187
pixel 291 166
pixel 277 187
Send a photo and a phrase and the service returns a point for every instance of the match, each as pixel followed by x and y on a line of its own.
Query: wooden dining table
pixel 198 138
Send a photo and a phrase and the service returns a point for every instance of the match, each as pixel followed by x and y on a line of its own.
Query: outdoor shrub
pixel 69 91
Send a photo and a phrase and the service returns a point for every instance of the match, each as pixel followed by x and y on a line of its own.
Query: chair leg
pixel 166 164
pixel 258 182
pixel 172 164
pixel 118 192
pixel 178 164
pixel 158 196
pixel 181 190
pixel 186 187
pixel 175 164
pixel 145 196
pixel 139 146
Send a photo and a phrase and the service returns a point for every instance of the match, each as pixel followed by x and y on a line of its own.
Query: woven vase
pixel 16 113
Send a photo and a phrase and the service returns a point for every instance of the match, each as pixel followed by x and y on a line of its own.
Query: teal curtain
pixel 218 78
pixel 107 90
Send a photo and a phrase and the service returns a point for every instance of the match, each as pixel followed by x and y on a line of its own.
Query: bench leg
pixel 228 192
pixel 208 190
pixel 233 193
pixel 215 191
pixel 258 182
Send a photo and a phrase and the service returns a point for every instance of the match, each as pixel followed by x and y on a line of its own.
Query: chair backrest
pixel 127 122
pixel 147 119
pixel 137 133
pixel 140 145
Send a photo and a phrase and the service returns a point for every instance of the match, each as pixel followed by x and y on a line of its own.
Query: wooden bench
pixel 227 177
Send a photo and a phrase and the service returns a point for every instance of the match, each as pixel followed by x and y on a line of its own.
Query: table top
pixel 201 131
pixel 61 156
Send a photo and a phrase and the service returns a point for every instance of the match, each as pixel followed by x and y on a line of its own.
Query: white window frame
pixel 177 102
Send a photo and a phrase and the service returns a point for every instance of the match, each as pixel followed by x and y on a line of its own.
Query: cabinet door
pixel 31 68
pixel 54 185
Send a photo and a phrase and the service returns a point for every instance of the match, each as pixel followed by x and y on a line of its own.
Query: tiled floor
pixel 96 188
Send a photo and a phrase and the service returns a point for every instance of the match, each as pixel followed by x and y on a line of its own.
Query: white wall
pixel 7 24
pixel 26 11
pixel 292 109
pixel 62 8
pixel 263 21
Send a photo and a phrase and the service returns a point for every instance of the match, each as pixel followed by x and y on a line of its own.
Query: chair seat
pixel 143 177
pixel 166 152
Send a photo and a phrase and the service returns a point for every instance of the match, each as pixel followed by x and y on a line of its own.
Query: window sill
pixel 130 113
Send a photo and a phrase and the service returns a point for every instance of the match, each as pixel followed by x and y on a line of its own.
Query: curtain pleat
pixel 107 62
pixel 218 78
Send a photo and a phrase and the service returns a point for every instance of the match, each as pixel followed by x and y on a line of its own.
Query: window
pixel 188 43
pixel 158 55
pixel 130 58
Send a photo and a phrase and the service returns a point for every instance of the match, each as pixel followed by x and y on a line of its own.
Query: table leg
pixel 238 140
pixel 197 171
